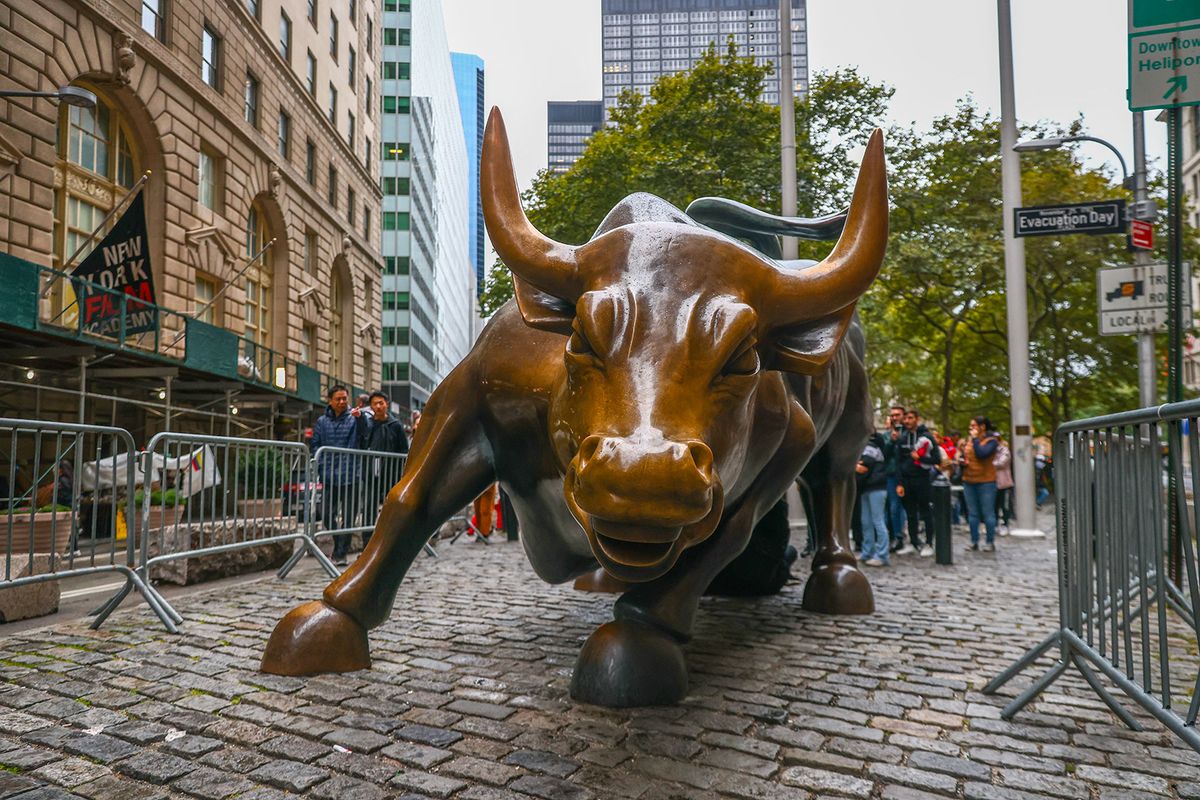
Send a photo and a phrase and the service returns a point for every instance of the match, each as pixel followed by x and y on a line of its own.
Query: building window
pixel 350 132
pixel 285 134
pixel 285 36
pixel 251 110
pixel 396 105
pixel 333 105
pixel 370 36
pixel 370 92
pixel 352 65
pixel 333 36
pixel 367 222
pixel 394 186
pixel 310 162
pixel 353 12
pixel 351 205
pixel 311 74
pixel 367 152
pixel 210 58
pixel 258 279
pixel 395 265
pixel 396 70
pixel 310 251
pixel 395 220
pixel 209 179
pixel 154 19
pixel 308 335
pixel 395 151
pixel 206 292
pixel 312 12
pixel 397 36
pixel 332 195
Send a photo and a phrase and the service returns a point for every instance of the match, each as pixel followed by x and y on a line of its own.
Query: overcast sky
pixel 1069 55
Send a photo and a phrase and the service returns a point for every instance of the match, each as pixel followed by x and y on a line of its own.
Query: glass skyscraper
pixel 468 78
pixel 568 126
pixel 645 39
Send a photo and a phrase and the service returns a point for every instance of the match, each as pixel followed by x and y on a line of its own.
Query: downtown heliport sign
pixel 1164 53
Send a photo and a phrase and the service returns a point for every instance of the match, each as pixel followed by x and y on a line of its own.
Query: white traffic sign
pixel 1134 299
pixel 1164 53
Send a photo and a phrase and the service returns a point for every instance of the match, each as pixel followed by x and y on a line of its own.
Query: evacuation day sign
pixel 121 265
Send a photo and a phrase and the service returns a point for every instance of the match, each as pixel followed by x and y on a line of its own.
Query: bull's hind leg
pixel 637 659
pixel 447 468
pixel 837 585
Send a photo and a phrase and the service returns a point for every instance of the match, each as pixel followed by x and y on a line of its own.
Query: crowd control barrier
pixel 1127 586
pixel 349 489
pixel 66 491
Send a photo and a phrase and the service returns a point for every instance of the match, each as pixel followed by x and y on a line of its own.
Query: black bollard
pixel 942 549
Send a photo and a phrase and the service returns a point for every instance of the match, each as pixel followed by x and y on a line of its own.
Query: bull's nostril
pixel 703 458
pixel 588 448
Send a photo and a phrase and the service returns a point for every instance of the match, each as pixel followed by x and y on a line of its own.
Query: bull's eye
pixel 580 349
pixel 744 363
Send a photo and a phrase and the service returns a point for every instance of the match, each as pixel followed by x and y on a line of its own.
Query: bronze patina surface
pixel 644 400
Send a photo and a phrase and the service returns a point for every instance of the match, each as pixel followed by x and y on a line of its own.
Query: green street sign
pixel 1164 54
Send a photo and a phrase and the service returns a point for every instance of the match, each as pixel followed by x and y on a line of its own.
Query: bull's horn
pixel 543 262
pixel 848 271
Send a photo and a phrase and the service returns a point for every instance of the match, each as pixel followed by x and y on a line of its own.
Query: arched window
pixel 337 333
pixel 96 166
pixel 258 279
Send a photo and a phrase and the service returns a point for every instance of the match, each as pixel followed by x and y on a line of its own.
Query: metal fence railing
pixel 213 494
pixel 350 487
pixel 66 491
pixel 1128 585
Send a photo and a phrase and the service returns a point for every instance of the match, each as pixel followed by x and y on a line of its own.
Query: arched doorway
pixel 341 320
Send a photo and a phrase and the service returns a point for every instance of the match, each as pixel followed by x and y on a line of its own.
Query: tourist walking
pixel 919 456
pixel 979 481
pixel 872 492
pixel 337 427
pixel 894 510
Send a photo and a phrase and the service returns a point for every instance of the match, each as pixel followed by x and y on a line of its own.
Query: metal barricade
pixel 352 487
pixel 1115 559
pixel 213 494
pixel 67 491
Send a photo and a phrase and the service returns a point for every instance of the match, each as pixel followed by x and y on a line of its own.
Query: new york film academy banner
pixel 120 264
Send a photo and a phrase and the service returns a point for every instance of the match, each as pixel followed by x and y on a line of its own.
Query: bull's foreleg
pixel 837 585
pixel 637 659
pixel 448 466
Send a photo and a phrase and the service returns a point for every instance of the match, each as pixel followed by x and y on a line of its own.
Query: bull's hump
pixel 642 207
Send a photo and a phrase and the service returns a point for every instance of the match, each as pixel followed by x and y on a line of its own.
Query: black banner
pixel 121 265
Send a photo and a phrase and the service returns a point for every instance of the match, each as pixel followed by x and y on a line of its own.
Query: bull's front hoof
pixel 314 638
pixel 625 664
pixel 601 582
pixel 838 588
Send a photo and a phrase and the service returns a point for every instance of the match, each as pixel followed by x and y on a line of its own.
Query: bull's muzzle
pixel 643 502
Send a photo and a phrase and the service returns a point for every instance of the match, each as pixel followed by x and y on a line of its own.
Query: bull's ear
pixel 543 310
pixel 807 348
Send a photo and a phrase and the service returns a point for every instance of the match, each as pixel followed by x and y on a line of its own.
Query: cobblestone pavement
pixel 468 699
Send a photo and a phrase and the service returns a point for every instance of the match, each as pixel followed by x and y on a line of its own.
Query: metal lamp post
pixel 70 95
pixel 1142 209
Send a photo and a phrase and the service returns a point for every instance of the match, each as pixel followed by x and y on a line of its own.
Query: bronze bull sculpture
pixel 644 399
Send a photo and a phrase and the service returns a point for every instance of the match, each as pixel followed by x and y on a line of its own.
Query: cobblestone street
pixel 468 699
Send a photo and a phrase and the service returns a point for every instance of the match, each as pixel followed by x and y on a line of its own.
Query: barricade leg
pixel 1031 655
pixel 1039 686
pixel 1109 700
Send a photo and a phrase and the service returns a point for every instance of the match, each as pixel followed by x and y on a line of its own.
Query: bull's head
pixel 670 328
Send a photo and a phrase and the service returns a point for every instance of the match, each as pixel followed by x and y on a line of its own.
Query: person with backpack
pixel 918 458
pixel 979 480
pixel 872 492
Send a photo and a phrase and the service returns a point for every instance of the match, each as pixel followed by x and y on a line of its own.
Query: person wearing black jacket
pixel 381 433
pixel 872 492
pixel 918 455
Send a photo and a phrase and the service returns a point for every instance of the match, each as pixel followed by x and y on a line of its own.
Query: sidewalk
pixel 468 699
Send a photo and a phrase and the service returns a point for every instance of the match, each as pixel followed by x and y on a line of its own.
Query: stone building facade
pixel 256 120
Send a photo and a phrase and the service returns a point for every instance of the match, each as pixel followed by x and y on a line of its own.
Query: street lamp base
pixel 1027 533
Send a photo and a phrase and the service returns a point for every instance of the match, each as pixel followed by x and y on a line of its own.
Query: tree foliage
pixel 936 319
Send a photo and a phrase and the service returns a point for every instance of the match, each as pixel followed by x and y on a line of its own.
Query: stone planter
pixel 50 532
pixel 208 566
pixel 31 599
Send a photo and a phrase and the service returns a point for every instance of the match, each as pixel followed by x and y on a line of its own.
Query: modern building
pixel 568 127
pixel 429 281
pixel 250 130
pixel 645 39
pixel 469 80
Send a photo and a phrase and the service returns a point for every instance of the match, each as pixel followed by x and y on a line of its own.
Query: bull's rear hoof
pixel 838 588
pixel 601 582
pixel 316 637
pixel 625 664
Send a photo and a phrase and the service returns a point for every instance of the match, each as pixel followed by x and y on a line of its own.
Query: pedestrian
pixel 1002 461
pixel 872 482
pixel 979 481
pixel 337 427
pixel 894 510
pixel 919 457
pixel 380 432
pixel 958 503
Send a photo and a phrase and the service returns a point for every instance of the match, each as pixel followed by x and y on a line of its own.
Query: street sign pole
pixel 1175 321
pixel 1147 377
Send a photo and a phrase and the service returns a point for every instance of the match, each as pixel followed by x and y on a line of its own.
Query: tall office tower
pixel 468 77
pixel 645 39
pixel 429 282
pixel 568 126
